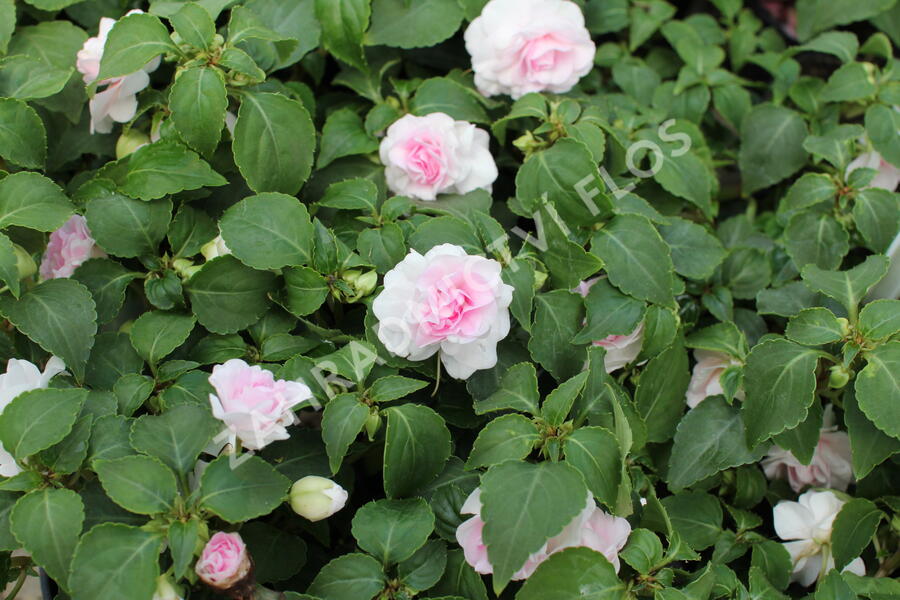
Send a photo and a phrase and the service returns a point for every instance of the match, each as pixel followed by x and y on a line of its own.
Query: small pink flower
pixel 224 561
pixel 253 405
pixel 431 155
pixel 620 349
pixel 592 528
pixel 830 467
pixel 68 248
pixel 705 378
pixel 522 46
pixel 118 102
pixel 445 301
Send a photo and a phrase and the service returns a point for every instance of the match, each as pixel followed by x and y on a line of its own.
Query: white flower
pixel 445 301
pixel 21 376
pixel 830 466
pixel 431 155
pixel 888 176
pixel 214 248
pixel 522 46
pixel 705 377
pixel 808 522
pixel 317 498
pixel 118 102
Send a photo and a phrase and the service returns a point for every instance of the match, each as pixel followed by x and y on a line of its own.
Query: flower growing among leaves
pixel 224 563
pixel 317 498
pixel 68 248
pixel 446 302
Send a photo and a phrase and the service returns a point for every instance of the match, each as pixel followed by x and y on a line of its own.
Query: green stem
pixel 23 574
pixel 437 376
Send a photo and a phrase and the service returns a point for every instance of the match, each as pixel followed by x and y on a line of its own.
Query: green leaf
pixel 595 452
pixel 661 391
pixel 244 491
pixel 177 436
pixel 881 125
pixel 687 177
pixel 524 505
pixel 423 569
pixel 609 312
pixel 771 146
pixel 835 144
pixel 780 384
pixel 567 173
pixel 134 41
pixel 140 484
pixel 816 238
pixel 721 337
pixel 510 437
pixel 156 334
pixel 114 561
pixel 809 190
pixel 445 230
pixel 848 83
pixel 842 44
pixel 814 327
pixel 349 577
pixel 696 517
pixel 131 391
pixel 416 446
pixel 558 317
pixel 573 573
pixel 59 316
pixel 695 252
pixel 183 537
pixel 31 200
pixel 305 290
pixel 107 280
pixel 9 265
pixel 268 231
pixel 270 47
pixel 710 438
pixel 383 247
pixel 7 22
pixel 870 446
pixel 877 388
pixel 194 25
pixel 520 274
pixel 425 23
pixel 393 387
pixel 109 438
pixel 127 227
pixel 637 259
pixel 48 523
pixel 344 135
pixel 444 95
pixel 833 587
pixel 344 23
pixel 558 403
pixel 274 141
pixel 460 579
pixel 166 167
pixel 277 554
pixel 774 561
pixel 198 101
pixel 392 530
pixel 344 417
pixel 28 78
pixel 568 263
pixel 518 391
pixel 880 319
pixel 847 287
pixel 643 551
pixel 876 215
pixel 853 530
pixel 23 139
pixel 226 296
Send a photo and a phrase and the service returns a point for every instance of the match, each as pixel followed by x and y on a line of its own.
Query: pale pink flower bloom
pixel 830 467
pixel 620 349
pixel 68 248
pixel 705 377
pixel 224 561
pixel 522 46
pixel 118 102
pixel 434 154
pixel 252 404
pixel 445 301
pixel 808 523
pixel 592 528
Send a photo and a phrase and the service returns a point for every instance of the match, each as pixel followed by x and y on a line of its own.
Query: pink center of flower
pixel 542 54
pixel 254 390
pixel 452 302
pixel 426 163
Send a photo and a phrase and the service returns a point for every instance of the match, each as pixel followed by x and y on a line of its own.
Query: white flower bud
pixel 317 498
pixel 214 248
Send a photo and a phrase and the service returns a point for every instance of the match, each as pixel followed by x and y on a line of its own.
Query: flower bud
pixel 185 268
pixel 362 284
pixel 845 326
pixel 130 141
pixel 224 563
pixel 165 590
pixel 373 424
pixel 540 278
pixel 24 262
pixel 214 248
pixel 838 377
pixel 317 498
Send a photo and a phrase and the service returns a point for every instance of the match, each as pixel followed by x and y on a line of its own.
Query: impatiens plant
pixel 450 299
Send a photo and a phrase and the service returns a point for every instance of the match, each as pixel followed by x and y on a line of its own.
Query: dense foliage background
pixel 749 238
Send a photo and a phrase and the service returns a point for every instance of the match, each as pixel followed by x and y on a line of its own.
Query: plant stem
pixel 23 573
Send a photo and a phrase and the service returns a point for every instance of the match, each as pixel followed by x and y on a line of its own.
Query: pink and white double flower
pixel 444 301
pixel 68 248
pixel 118 102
